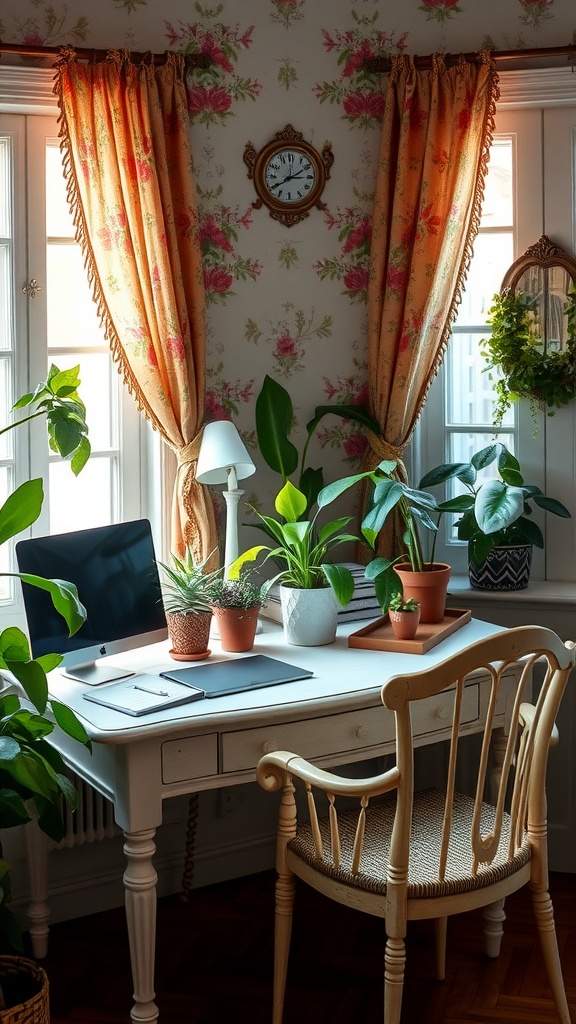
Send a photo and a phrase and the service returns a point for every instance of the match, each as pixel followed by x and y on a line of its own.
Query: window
pixel 47 316
pixel 529 192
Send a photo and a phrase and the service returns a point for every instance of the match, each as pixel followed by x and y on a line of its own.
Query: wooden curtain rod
pixel 193 60
pixel 383 64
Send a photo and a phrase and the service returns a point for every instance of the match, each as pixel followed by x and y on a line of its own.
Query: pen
pixel 146 689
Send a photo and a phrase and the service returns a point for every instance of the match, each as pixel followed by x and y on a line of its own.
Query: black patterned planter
pixel 506 568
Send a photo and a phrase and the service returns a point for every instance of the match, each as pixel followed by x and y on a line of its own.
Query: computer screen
pixel 115 572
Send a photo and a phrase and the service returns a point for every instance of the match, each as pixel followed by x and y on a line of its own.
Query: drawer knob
pixel 442 712
pixel 269 747
pixel 362 732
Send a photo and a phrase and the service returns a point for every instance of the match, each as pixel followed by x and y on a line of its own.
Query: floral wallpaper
pixel 289 302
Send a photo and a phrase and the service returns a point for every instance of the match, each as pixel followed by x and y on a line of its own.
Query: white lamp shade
pixel 222 449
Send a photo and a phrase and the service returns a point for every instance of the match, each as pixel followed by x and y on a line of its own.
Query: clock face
pixel 290 176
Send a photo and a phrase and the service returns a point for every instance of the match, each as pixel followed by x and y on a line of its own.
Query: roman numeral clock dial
pixel 289 175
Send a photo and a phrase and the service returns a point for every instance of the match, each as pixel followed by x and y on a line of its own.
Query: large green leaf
pixel 459 470
pixel 31 770
pixel 274 419
pixel 64 598
pixel 32 677
pixel 14 645
pixel 356 413
pixel 68 722
pixel 526 531
pixel 334 490
pixel 333 527
pixel 290 502
pixel 341 581
pixel 12 808
pixel 485 456
pixel 21 509
pixel 387 494
pixel 244 559
pixel 310 483
pixel 498 505
pixel 552 505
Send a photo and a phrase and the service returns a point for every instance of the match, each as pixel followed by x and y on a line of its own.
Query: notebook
pixel 140 695
pixel 237 675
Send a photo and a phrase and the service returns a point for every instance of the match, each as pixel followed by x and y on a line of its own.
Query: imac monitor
pixel 114 570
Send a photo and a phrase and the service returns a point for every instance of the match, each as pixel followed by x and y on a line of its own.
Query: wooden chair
pixel 403 855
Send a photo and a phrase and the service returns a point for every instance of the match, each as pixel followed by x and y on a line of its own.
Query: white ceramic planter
pixel 310 616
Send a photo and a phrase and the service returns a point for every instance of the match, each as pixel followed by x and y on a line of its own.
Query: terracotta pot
pixel 237 627
pixel 189 633
pixel 428 587
pixel 404 624
pixel 310 617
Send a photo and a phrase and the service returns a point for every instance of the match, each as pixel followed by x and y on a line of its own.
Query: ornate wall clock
pixel 289 175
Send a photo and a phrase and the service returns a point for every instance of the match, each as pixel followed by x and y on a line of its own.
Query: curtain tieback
pixel 189 452
pixel 383 449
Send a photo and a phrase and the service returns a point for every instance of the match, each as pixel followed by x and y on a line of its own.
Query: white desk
pixel 333 718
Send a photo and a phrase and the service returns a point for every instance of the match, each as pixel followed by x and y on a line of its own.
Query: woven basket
pixel 25 985
pixel 189 633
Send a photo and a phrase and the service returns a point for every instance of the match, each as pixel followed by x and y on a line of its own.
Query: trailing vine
pixel 547 378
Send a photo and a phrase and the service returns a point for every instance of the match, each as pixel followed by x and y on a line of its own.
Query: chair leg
pixel 494 918
pixel 544 912
pixel 285 891
pixel 394 964
pixel 440 927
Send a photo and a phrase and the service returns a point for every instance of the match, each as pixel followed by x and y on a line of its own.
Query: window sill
pixel 538 592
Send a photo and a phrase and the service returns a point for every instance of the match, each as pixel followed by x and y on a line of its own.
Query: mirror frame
pixel 544 254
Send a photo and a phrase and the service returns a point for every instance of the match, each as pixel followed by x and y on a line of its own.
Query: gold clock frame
pixel 257 161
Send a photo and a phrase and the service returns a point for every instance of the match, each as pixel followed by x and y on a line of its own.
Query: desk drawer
pixel 434 714
pixel 335 734
pixel 194 757
pixel 318 737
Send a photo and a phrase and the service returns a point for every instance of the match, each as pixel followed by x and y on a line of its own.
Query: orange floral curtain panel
pixel 436 135
pixel 128 162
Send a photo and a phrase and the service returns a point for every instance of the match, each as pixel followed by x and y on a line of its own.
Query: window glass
pixel 91 492
pixel 76 337
pixel 59 325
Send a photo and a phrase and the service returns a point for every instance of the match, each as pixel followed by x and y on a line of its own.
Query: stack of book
pixel 363 604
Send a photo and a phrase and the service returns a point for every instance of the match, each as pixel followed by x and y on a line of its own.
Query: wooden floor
pixel 214 963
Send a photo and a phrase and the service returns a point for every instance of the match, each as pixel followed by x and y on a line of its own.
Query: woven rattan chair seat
pixel 424 847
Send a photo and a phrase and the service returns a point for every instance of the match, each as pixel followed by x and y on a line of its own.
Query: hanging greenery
pixel 546 378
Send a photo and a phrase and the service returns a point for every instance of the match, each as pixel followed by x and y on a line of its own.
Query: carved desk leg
pixel 140 894
pixel 38 909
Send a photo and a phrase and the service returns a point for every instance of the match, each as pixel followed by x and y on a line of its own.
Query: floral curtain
pixel 128 162
pixel 436 134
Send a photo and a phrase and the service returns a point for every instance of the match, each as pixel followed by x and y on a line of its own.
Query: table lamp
pixel 223 458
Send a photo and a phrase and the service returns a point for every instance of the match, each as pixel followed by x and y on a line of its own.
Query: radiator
pixel 93 819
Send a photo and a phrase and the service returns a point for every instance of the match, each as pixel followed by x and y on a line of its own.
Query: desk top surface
pixel 342 677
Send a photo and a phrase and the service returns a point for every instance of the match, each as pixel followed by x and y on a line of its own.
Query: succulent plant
pixel 398 604
pixel 240 593
pixel 187 586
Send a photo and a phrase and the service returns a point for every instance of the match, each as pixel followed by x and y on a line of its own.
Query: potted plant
pixel 187 597
pixel 235 605
pixel 527 368
pixel 309 581
pixel 410 572
pixel 496 517
pixel 274 424
pixel 404 615
pixel 33 781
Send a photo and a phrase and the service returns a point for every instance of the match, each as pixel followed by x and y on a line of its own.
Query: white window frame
pixel 29 91
pixel 524 93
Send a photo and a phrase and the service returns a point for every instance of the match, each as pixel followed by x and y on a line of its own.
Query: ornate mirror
pixel 544 275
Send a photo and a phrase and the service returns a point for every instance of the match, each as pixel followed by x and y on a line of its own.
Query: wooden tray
pixel 378 635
